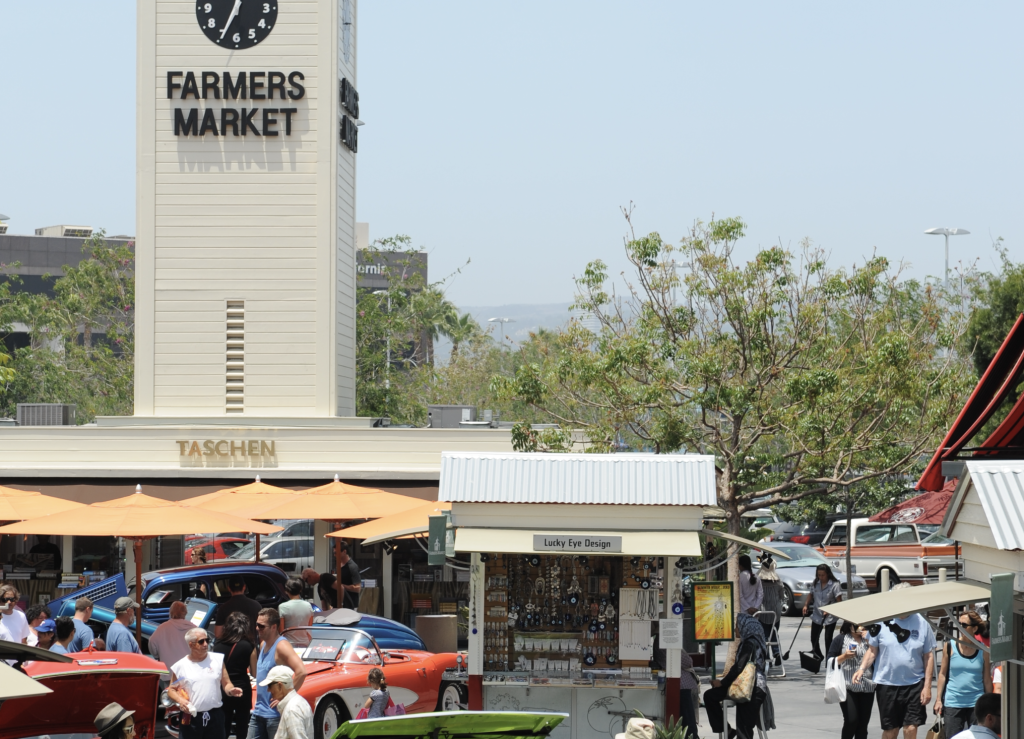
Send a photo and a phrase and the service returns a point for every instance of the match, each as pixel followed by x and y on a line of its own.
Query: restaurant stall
pixel 574 580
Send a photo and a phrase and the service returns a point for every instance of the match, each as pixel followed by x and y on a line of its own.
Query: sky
pixel 511 134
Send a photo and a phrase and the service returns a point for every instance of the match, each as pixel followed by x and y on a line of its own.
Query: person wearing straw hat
pixel 115 722
pixel 638 728
pixel 772 586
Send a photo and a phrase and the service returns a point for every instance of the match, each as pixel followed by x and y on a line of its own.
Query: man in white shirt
pixel 13 619
pixel 296 715
pixel 988 713
pixel 200 677
pixel 168 642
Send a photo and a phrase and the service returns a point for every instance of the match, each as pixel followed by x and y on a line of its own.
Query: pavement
pixel 800 709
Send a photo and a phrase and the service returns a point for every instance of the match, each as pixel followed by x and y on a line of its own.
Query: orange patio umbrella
pixel 17 505
pixel 136 517
pixel 396 526
pixel 247 501
pixel 339 501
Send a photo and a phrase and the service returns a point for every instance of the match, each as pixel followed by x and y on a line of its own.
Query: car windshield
pixel 800 557
pixel 246 552
pixel 937 539
pixel 333 644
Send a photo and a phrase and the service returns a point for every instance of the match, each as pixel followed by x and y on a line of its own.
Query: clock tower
pixel 247 133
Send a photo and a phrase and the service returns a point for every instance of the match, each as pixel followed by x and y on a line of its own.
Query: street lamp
pixel 502 321
pixel 947 232
pixel 387 368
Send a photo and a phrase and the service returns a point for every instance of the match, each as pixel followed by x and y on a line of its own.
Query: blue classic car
pixel 209 584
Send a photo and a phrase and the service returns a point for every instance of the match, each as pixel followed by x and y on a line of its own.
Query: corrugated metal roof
pixel 1000 486
pixel 616 479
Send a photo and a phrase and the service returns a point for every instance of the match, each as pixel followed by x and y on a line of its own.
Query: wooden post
pixel 257 558
pixel 137 551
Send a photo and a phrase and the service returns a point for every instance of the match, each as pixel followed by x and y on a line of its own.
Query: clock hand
pixel 234 12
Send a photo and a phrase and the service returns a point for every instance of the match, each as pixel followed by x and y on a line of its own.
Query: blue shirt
pixel 965 682
pixel 58 648
pixel 264 662
pixel 120 639
pixel 82 638
pixel 903 664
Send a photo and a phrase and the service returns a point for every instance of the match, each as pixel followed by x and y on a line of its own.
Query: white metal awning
pixel 638 543
pixel 920 599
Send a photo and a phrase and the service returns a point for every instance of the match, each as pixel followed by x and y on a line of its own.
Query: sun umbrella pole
pixel 257 548
pixel 137 550
pixel 339 598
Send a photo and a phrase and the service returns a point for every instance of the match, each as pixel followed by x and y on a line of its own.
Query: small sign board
pixel 437 534
pixel 1000 617
pixel 713 616
pixel 670 633
pixel 576 543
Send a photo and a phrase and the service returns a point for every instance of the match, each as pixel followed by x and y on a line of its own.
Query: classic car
pixel 460 725
pixel 199 612
pixel 338 660
pixel 797 574
pixel 900 548
pixel 82 685
pixel 220 548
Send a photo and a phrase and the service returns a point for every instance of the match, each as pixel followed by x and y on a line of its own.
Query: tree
pixel 1000 301
pixel 82 337
pixel 460 329
pixel 801 379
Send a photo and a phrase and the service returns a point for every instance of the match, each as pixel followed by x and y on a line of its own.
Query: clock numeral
pixel 262 23
pixel 252 33
pixel 266 7
pixel 212 23
pixel 208 8
pixel 236 38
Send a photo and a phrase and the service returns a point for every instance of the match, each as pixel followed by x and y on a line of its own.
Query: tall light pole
pixel 501 322
pixel 387 367
pixel 947 232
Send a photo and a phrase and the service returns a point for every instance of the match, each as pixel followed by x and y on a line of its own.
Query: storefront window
pixel 95 553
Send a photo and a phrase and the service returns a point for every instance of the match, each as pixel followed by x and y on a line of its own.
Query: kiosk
pixel 573 575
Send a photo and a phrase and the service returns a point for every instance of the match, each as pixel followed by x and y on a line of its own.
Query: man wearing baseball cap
pixel 45 633
pixel 119 635
pixel 296 716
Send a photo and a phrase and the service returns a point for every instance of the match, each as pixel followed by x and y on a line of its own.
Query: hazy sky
pixel 511 133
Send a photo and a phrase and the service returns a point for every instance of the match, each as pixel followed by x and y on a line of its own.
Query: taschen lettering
pixel 225 449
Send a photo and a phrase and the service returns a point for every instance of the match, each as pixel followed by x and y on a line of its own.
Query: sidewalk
pixel 800 709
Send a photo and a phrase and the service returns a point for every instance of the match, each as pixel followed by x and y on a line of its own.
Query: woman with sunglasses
pixel 196 683
pixel 848 650
pixel 825 591
pixel 966 674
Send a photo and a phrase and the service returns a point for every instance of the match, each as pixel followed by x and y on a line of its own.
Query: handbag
pixel 742 688
pixel 938 731
pixel 363 713
pixel 394 709
pixel 835 683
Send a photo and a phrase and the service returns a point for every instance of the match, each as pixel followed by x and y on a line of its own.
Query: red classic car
pixel 338 660
pixel 81 688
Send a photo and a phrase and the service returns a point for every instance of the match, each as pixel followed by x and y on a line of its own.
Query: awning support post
pixel 476 633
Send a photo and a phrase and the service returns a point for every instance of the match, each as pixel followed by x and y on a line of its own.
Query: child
pixel 378 700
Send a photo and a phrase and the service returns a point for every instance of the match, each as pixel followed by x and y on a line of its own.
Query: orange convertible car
pixel 338 660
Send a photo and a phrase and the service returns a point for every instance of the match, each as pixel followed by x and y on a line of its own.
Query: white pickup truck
pixel 896 547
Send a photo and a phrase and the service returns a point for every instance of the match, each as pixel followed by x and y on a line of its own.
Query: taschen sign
pixel 227 453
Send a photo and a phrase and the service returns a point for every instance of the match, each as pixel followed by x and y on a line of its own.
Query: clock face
pixel 236 24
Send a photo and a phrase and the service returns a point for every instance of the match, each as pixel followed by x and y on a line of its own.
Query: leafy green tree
pixel 800 379
pixel 1000 301
pixel 82 337
pixel 460 329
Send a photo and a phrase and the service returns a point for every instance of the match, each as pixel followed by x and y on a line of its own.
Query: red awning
pixel 925 509
pixel 999 382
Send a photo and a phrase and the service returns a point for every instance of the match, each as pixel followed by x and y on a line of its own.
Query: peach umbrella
pixel 248 501
pixel 17 505
pixel 136 517
pixel 396 526
pixel 339 501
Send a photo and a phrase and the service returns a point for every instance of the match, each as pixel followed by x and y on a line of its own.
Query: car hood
pixel 806 574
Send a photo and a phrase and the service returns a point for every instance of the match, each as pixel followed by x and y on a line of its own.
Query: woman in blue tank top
pixel 964 676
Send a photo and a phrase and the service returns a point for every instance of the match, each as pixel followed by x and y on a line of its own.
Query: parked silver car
pixel 291 553
pixel 797 574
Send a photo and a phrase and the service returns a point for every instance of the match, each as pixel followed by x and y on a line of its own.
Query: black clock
pixel 236 24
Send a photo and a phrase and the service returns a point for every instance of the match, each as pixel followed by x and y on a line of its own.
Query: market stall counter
pixel 567 598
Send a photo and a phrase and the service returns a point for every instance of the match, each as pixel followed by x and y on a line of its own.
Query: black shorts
pixel 900 705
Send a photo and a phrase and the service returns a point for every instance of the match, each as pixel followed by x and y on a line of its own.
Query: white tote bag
pixel 835 683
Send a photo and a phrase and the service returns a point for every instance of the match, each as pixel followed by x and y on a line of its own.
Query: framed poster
pixel 713 616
